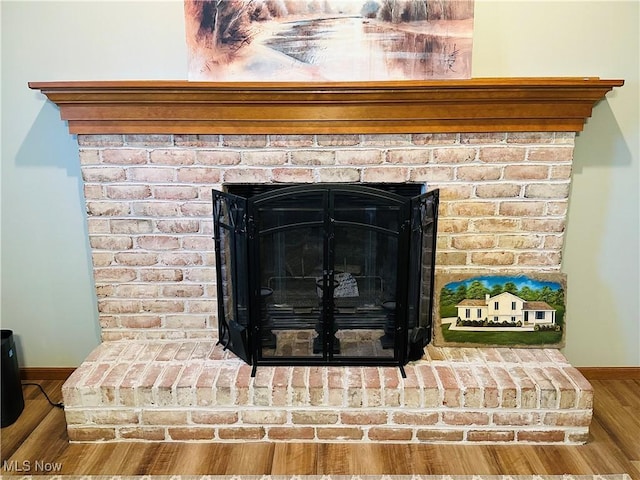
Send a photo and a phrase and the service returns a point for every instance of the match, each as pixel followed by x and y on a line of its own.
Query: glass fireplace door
pixel 290 258
pixel 327 259
pixel 365 261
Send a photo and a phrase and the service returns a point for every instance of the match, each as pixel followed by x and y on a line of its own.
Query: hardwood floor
pixel 38 441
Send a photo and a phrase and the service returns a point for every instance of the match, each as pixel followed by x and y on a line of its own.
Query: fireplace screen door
pixel 325 274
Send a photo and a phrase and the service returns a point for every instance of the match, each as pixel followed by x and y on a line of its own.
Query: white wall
pixel 586 38
pixel 47 290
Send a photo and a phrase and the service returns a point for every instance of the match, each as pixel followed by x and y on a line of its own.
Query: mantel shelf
pixel 451 106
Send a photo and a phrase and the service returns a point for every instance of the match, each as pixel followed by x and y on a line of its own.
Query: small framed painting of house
pixel 505 310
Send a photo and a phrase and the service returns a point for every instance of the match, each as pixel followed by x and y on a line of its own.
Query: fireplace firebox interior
pixel 325 274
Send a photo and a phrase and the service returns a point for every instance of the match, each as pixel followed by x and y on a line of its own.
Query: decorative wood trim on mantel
pixel 451 106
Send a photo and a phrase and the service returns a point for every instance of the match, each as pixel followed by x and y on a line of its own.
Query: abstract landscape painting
pixel 328 40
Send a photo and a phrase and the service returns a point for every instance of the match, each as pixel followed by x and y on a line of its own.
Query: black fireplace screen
pixel 325 274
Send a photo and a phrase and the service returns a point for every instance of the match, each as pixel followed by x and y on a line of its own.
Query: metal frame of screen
pixel 240 226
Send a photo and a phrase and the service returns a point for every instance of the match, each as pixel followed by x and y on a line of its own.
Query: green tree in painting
pixel 477 290
pixel 528 294
pixel 557 297
pixel 461 293
pixel 511 288
pixel 496 290
pixel 448 303
pixel 546 294
pixel 447 297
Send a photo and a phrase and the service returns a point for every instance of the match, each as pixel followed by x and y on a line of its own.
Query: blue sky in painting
pixel 520 281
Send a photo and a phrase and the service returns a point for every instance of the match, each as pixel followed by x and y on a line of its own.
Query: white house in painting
pixel 506 307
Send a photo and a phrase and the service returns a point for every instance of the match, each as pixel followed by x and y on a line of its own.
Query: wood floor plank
pixel 158 459
pixel 337 459
pixel 36 409
pixel 465 458
pixel 250 459
pixel 520 460
pixel 618 411
pixel 294 459
pixel 34 449
pixel 117 459
pixel 86 459
pixel 219 458
pixel 428 459
pixel 194 458
pixel 603 453
pixel 14 435
pixel 367 458
pixel 396 458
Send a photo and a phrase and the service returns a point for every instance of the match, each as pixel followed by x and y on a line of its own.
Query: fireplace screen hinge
pixel 251 227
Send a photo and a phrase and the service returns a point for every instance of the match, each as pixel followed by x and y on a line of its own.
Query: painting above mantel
pixel 443 106
pixel 332 40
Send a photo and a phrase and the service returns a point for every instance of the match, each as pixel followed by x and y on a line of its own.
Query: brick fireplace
pixel 499 151
pixel 503 204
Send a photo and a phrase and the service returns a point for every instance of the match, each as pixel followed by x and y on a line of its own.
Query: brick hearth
pixel 193 390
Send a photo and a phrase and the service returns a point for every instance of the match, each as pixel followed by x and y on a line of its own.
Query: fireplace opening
pixel 325 274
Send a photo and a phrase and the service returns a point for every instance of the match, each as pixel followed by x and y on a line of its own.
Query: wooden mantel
pixel 183 107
